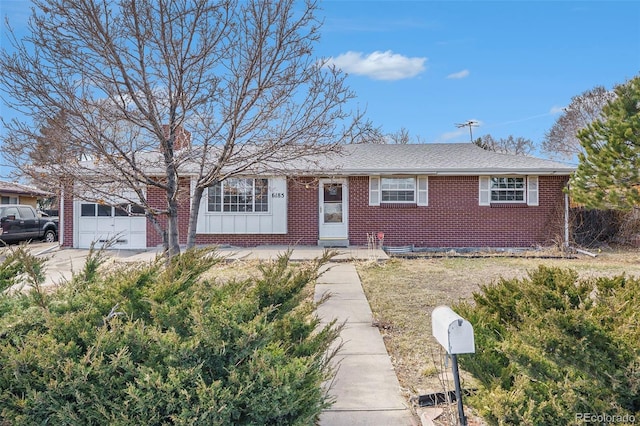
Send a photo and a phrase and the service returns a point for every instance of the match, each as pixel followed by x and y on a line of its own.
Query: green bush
pixel 552 346
pixel 158 344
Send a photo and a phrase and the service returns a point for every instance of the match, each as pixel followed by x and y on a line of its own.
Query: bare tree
pixel 562 140
pixel 510 145
pixel 400 137
pixel 133 75
pixel 50 143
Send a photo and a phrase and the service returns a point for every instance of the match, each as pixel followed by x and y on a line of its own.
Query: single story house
pixel 17 193
pixel 440 195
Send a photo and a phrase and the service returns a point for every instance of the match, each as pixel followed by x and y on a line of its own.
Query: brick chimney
pixel 183 137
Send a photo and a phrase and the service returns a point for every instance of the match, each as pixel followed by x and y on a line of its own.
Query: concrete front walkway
pixel 366 389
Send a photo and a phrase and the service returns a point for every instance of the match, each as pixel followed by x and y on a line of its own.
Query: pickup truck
pixel 21 222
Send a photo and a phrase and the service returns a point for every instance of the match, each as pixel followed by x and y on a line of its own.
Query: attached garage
pixel 98 224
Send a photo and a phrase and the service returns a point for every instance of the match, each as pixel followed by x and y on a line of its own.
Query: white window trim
pixel 421 191
pixel 239 213
pixel 11 199
pixel 531 191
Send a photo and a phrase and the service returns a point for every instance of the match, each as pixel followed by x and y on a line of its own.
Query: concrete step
pixel 333 242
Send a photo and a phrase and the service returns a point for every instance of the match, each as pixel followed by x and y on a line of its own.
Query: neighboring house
pixel 16 193
pixel 429 195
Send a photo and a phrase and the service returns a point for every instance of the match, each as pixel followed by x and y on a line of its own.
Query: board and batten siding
pixel 272 222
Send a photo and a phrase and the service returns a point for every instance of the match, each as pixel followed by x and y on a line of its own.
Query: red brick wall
pixel 454 218
pixel 302 221
pixel 157 198
pixel 66 219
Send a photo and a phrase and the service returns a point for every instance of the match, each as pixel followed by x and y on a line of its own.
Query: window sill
pixel 238 213
pixel 398 205
pixel 509 205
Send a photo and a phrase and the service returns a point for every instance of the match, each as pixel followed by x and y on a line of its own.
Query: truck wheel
pixel 49 236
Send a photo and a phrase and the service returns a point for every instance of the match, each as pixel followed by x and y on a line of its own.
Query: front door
pixel 333 221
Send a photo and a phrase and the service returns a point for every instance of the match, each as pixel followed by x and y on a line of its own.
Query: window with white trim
pixel 9 200
pixel 508 189
pixel 398 190
pixel 393 190
pixel 104 210
pixel 244 195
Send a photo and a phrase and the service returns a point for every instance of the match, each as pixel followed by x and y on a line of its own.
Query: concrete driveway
pixel 63 262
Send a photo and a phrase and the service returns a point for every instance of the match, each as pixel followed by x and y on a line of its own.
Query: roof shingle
pixel 436 158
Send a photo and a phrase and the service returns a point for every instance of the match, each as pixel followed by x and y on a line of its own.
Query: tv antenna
pixel 470 124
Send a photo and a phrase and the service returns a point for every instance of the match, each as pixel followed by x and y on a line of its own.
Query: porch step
pixel 333 242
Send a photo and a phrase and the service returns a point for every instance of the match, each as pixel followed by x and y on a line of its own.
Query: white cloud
pixel 556 110
pixel 379 65
pixel 459 74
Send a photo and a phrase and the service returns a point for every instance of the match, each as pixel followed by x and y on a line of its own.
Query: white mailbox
pixel 452 331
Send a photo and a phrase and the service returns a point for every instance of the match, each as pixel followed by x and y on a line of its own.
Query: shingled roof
pixel 20 189
pixel 435 159
pixel 377 159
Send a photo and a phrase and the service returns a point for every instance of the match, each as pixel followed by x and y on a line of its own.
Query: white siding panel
pixel 240 224
pixel 228 224
pixel 252 224
pixel 272 222
pixel 265 223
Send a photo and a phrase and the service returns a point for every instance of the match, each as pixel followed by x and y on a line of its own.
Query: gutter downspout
pixel 566 217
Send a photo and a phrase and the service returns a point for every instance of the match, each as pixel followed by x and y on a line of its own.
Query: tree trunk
pixel 173 241
pixel 193 216
pixel 172 245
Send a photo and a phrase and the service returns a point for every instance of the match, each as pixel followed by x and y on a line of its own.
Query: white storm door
pixel 333 205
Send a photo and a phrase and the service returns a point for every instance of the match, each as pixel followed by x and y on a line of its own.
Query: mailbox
pixel 452 331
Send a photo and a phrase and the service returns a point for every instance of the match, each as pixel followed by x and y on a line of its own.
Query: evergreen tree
pixel 607 176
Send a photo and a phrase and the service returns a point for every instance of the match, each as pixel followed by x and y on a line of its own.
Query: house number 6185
pixel 277 195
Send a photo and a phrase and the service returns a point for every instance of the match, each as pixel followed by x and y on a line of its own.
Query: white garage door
pixel 98 224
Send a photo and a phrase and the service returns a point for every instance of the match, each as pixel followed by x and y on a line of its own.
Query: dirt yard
pixel 403 292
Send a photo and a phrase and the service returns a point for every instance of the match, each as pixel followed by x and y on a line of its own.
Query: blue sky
pixel 428 65
pixel 509 65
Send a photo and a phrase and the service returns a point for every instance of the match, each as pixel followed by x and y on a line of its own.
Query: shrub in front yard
pixel 551 347
pixel 158 344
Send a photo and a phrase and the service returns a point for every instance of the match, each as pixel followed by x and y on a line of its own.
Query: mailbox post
pixel 455 334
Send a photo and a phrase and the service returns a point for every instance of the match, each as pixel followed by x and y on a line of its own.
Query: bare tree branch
pixel 112 86
pixel 562 139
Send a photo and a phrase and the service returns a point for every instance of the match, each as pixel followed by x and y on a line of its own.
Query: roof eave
pixel 451 172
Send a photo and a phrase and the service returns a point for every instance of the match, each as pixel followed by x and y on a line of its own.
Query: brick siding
pixel 156 197
pixel 66 219
pixel 453 217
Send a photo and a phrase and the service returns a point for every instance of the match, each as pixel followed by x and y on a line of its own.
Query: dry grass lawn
pixel 403 292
